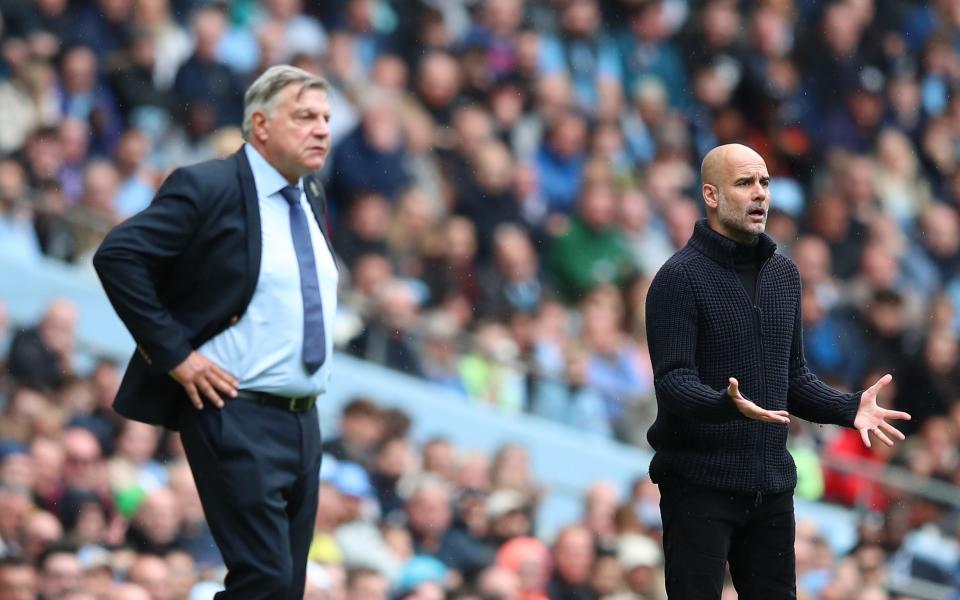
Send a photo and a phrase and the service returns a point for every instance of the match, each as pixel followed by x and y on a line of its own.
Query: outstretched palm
pixel 750 409
pixel 872 418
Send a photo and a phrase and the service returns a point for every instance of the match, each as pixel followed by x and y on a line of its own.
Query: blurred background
pixel 506 178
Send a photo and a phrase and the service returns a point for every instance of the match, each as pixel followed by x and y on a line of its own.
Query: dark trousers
pixel 703 529
pixel 257 469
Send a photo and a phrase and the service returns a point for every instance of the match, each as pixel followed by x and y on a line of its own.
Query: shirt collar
pixel 266 177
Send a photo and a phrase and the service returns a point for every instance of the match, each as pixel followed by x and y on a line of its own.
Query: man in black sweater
pixel 724 329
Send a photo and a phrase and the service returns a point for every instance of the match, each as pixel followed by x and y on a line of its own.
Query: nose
pixel 759 192
pixel 321 129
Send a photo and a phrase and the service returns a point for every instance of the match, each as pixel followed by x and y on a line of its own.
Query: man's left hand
pixel 872 418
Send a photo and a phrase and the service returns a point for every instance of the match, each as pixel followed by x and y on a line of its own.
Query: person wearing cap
pixel 358 541
pixel 227 283
pixel 640 558
pixel 725 338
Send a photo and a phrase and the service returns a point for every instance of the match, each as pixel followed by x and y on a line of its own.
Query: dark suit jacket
pixel 182 271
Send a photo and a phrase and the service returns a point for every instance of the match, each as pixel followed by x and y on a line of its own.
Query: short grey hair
pixel 262 93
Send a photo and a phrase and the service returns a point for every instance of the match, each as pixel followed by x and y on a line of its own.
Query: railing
pixel 914 485
pixel 897 477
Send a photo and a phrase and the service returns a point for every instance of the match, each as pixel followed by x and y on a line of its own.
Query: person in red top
pixel 853 489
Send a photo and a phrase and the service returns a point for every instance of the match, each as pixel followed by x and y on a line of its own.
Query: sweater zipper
pixel 758 318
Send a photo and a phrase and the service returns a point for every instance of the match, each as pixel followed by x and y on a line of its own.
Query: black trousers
pixel 703 529
pixel 257 469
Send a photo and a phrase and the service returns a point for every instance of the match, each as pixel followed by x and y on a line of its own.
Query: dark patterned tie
pixel 314 336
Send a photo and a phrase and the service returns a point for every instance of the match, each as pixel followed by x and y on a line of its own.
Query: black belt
pixel 298 404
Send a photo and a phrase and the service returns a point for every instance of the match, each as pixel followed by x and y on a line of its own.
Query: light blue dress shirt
pixel 263 350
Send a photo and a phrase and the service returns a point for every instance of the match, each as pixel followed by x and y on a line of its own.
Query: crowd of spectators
pixel 507 176
pixel 95 507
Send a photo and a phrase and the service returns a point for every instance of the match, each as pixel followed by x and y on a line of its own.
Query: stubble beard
pixel 738 224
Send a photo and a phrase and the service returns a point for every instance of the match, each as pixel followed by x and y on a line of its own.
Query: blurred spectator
pixel 451 263
pixel 202 78
pixel 136 187
pixel 831 345
pixel 41 530
pixel 356 533
pixel 931 380
pixel 366 584
pixel 617 368
pixel 75 143
pixel 371 158
pixel 587 56
pixel 365 228
pixel 560 162
pixel 83 96
pixel 590 251
pixel 641 560
pixel 515 282
pixel 649 245
pixel 441 352
pixel 437 85
pixel 300 33
pixel 529 559
pixel 361 428
pixel 18 237
pixel 171 44
pixel 29 101
pixel 152 573
pixel 488 198
pixel 155 528
pixel 388 339
pixel 103 25
pixel 491 372
pixel 133 74
pixel 59 572
pixel 573 555
pixel 392 461
pixel 194 533
pixel 84 471
pixel 429 518
pixel 18 579
pixel 42 356
pixel 830 219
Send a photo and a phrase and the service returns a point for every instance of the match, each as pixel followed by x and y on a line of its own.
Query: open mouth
pixel 757 214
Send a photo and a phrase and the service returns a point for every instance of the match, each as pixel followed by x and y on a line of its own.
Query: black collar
pixel 720 249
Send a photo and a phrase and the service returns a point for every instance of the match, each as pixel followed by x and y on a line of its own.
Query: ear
pixel 259 122
pixel 711 196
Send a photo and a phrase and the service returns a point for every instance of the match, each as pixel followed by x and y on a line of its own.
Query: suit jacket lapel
pixel 252 209
pixel 318 203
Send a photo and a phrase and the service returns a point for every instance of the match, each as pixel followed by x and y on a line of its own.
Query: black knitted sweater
pixel 702 329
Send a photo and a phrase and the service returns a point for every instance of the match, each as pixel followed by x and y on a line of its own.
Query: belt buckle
pixel 293 404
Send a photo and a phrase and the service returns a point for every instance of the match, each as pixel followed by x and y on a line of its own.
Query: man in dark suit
pixel 227 283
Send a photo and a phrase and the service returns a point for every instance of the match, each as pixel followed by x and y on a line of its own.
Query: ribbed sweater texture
pixel 702 329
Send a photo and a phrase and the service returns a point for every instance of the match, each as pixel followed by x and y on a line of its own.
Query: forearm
pixel 682 393
pixel 133 255
pixel 812 400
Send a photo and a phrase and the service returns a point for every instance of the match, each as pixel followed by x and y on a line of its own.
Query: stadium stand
pixel 506 178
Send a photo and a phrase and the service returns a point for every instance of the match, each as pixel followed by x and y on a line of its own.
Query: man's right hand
pixel 750 410
pixel 200 375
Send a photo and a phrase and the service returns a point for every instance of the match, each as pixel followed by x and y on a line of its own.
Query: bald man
pixel 41 357
pixel 723 323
